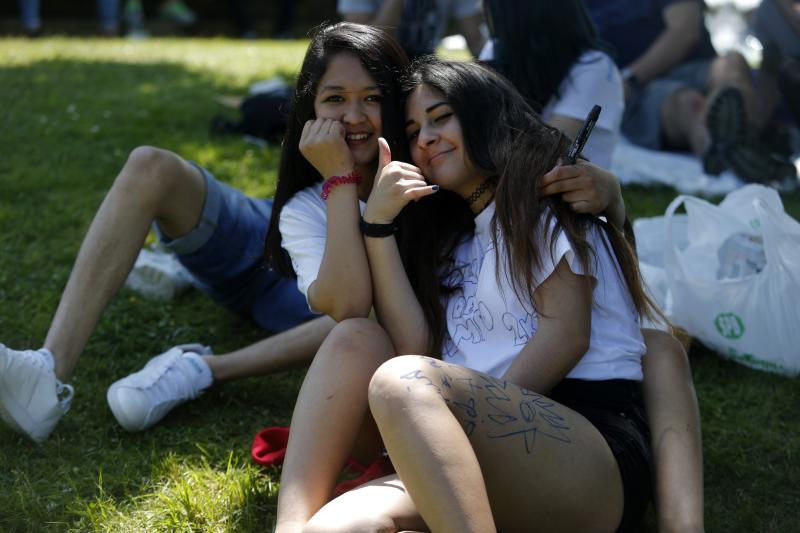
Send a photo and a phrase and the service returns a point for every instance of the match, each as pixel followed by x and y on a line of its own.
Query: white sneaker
pixel 158 274
pixel 166 381
pixel 31 399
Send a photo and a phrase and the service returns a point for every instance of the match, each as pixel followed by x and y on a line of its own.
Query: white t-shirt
pixel 303 226
pixel 593 79
pixel 488 325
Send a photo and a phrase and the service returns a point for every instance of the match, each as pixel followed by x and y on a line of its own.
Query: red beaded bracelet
pixel 334 181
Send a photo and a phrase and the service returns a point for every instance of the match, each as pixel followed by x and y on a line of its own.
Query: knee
pixel 150 170
pixel 390 390
pixel 732 62
pixel 357 341
pixel 666 353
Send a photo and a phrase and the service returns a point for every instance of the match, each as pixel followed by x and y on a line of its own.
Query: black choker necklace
pixel 488 182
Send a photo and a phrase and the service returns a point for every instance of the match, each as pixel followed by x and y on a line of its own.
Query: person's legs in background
pixel 30 17
pixel 108 13
pixel 715 111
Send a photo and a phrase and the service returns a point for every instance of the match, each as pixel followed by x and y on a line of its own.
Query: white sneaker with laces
pixel 158 274
pixel 166 381
pixel 32 399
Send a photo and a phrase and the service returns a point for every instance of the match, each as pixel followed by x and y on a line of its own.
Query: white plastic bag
pixel 753 318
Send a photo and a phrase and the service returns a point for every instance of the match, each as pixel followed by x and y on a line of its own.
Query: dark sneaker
pixel 714 160
pixel 755 163
pixel 726 121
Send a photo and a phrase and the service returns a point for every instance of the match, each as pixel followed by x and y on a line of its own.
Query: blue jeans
pixel 108 11
pixel 225 255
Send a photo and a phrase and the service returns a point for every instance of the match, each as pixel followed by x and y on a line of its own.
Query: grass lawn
pixel 70 112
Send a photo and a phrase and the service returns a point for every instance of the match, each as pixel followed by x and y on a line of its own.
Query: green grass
pixel 72 109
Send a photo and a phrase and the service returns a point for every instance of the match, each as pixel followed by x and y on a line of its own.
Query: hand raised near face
pixel 396 184
pixel 323 144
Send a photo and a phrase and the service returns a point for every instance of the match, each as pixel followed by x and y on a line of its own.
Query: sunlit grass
pixel 184 495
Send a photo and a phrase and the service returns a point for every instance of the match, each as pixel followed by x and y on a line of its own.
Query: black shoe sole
pixel 726 119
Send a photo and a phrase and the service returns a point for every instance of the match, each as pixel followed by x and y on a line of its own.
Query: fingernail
pixel 435 187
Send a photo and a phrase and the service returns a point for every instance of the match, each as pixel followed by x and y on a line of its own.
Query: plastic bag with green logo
pixel 732 276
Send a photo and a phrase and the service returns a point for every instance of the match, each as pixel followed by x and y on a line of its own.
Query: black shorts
pixel 615 408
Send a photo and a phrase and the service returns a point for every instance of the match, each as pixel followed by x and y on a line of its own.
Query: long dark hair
pixel 536 43
pixel 503 137
pixel 385 61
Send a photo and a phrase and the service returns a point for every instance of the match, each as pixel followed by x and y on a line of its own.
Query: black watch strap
pixel 377 230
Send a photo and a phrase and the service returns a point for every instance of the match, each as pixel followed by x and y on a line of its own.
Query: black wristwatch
pixel 377 230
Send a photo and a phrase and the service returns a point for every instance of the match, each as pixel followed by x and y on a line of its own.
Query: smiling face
pixel 347 93
pixel 437 142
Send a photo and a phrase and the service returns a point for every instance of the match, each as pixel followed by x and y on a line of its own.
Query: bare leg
pixel 380 506
pixel 683 120
pixel 674 419
pixel 153 184
pixel 329 413
pixel 283 351
pixel 472 450
pixel 683 113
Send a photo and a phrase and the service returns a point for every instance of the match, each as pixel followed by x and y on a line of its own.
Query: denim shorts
pixel 225 254
pixel 615 408
pixel 641 123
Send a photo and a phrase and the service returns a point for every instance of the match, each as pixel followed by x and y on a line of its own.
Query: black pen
pixel 583 135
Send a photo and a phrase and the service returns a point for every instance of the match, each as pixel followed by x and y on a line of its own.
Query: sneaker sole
pixel 120 414
pixel 727 118
pixel 714 161
pixel 756 167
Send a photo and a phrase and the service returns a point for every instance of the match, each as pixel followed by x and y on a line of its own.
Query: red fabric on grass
pixel 269 449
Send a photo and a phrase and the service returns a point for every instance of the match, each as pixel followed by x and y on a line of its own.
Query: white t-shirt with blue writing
pixel 488 325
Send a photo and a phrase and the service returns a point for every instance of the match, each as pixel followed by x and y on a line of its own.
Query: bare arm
pixel 563 302
pixel 342 288
pixel 396 305
pixel 682 20
pixel 388 15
